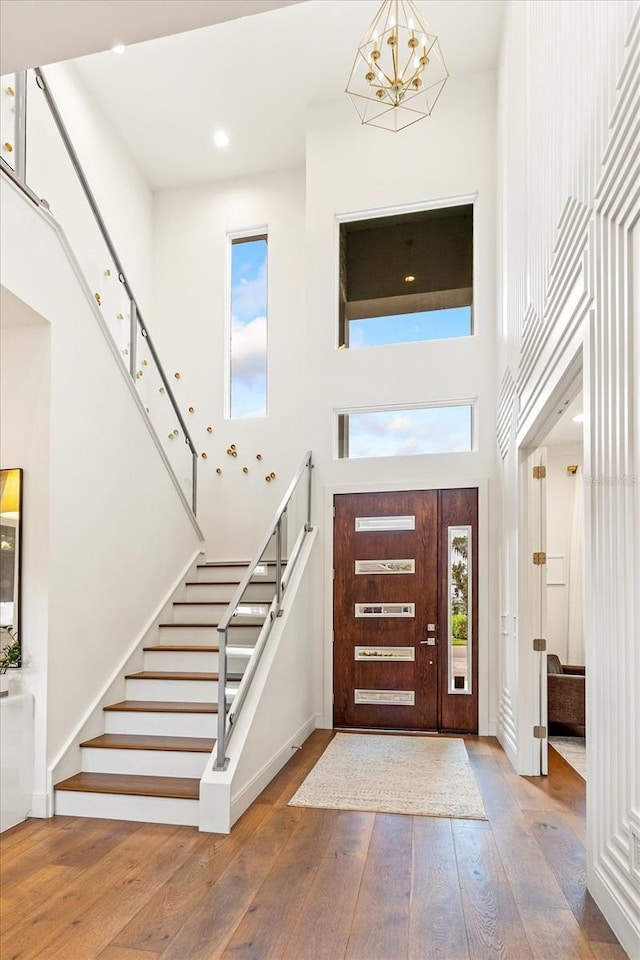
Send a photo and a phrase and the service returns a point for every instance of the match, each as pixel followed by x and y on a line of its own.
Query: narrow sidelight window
pixel 248 338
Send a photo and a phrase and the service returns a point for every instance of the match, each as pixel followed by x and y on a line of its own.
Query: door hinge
pixel 539 558
pixel 334 511
pixel 539 644
pixel 539 473
pixel 334 573
pixel 540 733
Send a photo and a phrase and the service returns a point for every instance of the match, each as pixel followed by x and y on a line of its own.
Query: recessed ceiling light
pixel 118 48
pixel 579 418
pixel 409 278
pixel 221 139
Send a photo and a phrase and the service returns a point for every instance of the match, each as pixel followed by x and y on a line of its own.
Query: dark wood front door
pixel 405 610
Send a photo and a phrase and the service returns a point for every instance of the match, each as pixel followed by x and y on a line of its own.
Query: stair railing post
pixel 309 469
pixel 20 126
pixel 222 699
pixel 279 566
pixel 194 482
pixel 133 337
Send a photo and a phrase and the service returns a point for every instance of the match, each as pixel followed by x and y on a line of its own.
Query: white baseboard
pixel 265 775
pixel 622 924
pixel 42 805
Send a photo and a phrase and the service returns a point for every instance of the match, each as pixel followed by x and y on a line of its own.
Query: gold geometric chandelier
pixel 399 71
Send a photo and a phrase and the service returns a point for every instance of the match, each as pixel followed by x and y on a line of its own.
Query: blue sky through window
pixel 249 328
pixel 398 433
pixel 410 327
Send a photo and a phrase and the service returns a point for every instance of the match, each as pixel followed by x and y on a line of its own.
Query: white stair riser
pixel 191 661
pixel 144 763
pixel 229 574
pixel 172 660
pixel 111 806
pixel 212 613
pixel 183 691
pixel 204 636
pixel 216 592
pixel 161 724
pixel 197 613
pixel 243 633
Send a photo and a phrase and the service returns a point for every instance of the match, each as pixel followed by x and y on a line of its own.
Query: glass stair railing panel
pixel 161 412
pixel 46 165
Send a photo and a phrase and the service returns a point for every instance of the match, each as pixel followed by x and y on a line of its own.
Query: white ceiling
pixel 255 78
pixel 35 32
pixel 565 432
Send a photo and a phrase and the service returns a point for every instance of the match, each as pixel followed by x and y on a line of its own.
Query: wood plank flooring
pixel 299 884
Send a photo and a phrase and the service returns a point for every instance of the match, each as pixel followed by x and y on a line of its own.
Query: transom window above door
pixel 406 278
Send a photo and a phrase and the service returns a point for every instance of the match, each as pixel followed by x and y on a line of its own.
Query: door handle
pixel 429 642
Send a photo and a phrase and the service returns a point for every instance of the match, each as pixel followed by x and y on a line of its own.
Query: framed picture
pixel 10 551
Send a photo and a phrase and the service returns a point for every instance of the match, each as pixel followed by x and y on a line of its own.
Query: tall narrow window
pixel 248 346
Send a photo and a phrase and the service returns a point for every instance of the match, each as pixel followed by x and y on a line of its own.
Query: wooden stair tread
pixel 210 603
pixel 224 563
pixel 228 583
pixel 136 741
pixel 247 616
pixel 177 675
pixel 161 706
pixel 184 648
pixel 181 788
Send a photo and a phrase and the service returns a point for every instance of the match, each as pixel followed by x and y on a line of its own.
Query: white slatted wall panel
pixel 569 126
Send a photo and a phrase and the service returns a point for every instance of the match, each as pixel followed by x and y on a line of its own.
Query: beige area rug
pixel 574 751
pixel 424 776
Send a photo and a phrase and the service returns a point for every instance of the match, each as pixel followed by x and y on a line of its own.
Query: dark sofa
pixel 565 697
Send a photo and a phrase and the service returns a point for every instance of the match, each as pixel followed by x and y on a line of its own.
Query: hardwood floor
pixel 299 884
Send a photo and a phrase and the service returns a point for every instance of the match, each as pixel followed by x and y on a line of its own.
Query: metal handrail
pixel 274 529
pixel 19 177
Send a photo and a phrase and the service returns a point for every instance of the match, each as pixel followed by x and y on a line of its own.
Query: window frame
pixel 341 427
pixel 341 340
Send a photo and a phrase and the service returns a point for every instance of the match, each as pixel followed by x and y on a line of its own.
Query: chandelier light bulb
pixel 398 72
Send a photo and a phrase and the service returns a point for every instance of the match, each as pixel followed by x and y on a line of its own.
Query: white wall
pixel 25 358
pixel 561 488
pixel 123 195
pixel 190 314
pixel 568 203
pixel 352 169
pixel 119 534
pixel 349 169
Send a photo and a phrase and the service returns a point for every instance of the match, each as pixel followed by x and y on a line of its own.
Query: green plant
pixel 10 654
pixel 459 626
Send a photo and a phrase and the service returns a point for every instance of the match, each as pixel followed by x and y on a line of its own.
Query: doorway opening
pixel 405 649
pixel 554 578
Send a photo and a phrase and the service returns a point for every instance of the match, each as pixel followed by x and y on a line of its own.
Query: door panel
pixel 388 607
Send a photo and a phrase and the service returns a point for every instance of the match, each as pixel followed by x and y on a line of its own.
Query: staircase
pixel 148 763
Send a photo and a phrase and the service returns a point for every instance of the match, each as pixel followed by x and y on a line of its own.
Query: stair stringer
pixel 281 708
